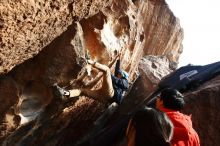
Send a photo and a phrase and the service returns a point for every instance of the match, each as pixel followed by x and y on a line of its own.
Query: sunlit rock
pixel 48 42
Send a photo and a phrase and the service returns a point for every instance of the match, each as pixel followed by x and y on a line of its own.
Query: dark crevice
pixel 141 37
pixel 70 7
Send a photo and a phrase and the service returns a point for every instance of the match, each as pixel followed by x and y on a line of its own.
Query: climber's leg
pixel 74 92
pixel 101 67
pixel 105 92
pixel 107 86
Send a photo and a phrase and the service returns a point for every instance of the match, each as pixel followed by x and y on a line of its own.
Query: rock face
pixel 162 33
pixel 203 104
pixel 9 96
pixel 152 69
pixel 46 42
pixel 27 26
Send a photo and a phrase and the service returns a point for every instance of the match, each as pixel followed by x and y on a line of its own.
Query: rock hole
pixel 1 24
pixel 133 16
pixel 154 65
pixel 141 37
pixel 24 16
pixel 70 7
pixel 133 1
pixel 18 21
pixel 1 61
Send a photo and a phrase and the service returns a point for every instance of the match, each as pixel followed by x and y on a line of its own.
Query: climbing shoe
pixel 60 91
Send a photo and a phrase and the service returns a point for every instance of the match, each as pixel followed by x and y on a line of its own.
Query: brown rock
pixel 203 104
pixel 46 41
pixel 155 68
pixel 28 26
pixel 152 69
pixel 156 26
pixel 8 98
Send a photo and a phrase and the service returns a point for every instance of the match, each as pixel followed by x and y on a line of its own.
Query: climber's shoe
pixel 61 92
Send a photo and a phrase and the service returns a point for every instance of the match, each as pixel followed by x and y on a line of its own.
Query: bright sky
pixel 200 20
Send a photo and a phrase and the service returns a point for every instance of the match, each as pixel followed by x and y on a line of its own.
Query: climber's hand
pixel 91 62
pixel 88 69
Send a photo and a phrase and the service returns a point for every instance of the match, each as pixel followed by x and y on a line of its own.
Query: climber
pixel 171 102
pixel 112 88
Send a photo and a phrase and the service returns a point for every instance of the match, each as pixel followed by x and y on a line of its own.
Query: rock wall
pixel 27 26
pixel 157 35
pixel 151 70
pixel 9 97
pixel 160 30
pixel 203 105
pixel 47 42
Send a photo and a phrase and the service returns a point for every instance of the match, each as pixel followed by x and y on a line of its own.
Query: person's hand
pixel 119 56
pixel 91 62
pixel 115 52
pixel 88 69
pixel 120 53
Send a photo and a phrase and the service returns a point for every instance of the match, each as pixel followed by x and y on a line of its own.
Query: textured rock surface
pixel 45 41
pixel 27 26
pixel 61 124
pixel 159 30
pixel 152 69
pixel 204 105
pixel 159 43
pixel 9 97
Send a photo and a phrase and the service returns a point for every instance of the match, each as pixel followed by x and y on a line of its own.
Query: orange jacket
pixel 184 134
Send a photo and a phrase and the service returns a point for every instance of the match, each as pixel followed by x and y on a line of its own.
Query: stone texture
pixel 61 124
pixel 151 70
pixel 203 104
pixel 159 30
pixel 9 97
pixel 46 41
pixel 155 68
pixel 27 26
